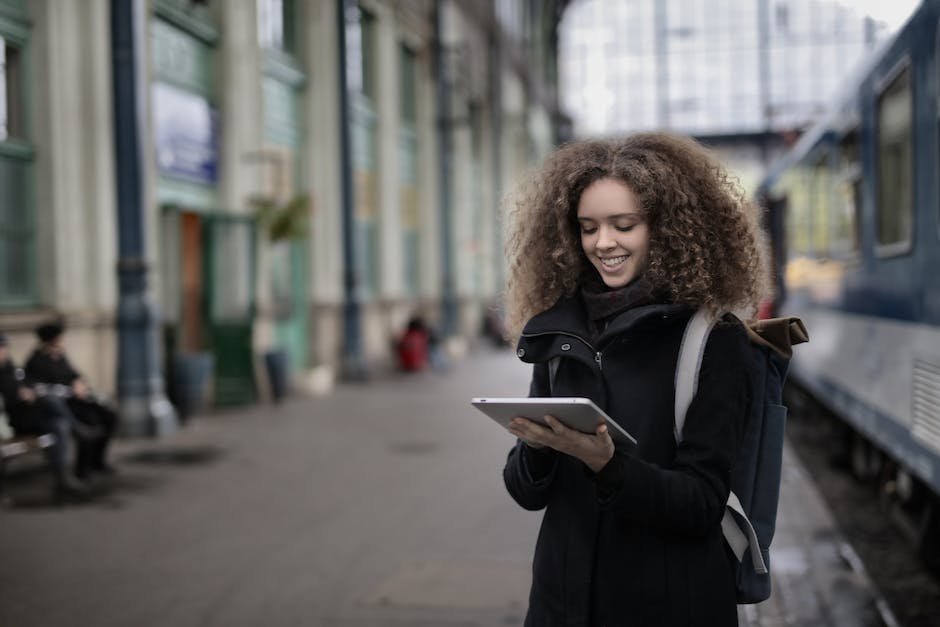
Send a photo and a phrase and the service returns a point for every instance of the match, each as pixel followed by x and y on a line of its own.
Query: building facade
pixel 448 102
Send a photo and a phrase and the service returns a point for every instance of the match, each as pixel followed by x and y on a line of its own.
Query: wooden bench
pixel 16 446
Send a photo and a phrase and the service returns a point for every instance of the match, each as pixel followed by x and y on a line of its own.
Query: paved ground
pixel 817 577
pixel 376 506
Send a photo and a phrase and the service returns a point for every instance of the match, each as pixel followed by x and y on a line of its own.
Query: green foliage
pixel 282 221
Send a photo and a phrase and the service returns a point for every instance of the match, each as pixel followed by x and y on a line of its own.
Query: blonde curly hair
pixel 706 246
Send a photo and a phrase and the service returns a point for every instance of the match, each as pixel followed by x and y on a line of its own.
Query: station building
pixel 448 104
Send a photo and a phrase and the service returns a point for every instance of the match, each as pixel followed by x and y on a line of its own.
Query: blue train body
pixel 857 235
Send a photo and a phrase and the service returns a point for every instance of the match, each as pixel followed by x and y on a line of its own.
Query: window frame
pixel 18 148
pixel 905 246
pixel 851 173
pixel 798 220
pixel 285 40
pixel 820 189
pixel 16 34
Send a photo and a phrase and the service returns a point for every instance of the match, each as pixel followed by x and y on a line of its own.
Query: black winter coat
pixel 46 368
pixel 9 389
pixel 650 551
pixel 24 417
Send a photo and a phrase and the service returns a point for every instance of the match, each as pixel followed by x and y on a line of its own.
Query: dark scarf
pixel 602 303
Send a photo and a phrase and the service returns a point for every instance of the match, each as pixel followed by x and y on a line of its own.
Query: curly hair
pixel 706 247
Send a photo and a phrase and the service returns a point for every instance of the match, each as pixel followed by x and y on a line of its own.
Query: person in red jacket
pixel 413 346
pixel 615 244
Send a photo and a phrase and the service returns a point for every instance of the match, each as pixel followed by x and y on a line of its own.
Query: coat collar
pixel 567 316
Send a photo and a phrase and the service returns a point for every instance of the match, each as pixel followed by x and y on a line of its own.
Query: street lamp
pixel 145 410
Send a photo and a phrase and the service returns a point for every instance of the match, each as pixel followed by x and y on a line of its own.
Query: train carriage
pixel 856 226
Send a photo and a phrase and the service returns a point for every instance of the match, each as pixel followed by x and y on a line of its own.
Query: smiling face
pixel 614 235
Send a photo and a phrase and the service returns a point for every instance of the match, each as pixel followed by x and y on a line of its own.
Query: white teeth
pixel 613 261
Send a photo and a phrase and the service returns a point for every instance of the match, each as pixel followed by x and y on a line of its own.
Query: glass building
pixel 715 68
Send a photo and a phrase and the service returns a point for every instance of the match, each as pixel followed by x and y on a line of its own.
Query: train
pixel 853 211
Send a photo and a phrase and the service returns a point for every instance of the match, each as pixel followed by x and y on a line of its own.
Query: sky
pixel 893 12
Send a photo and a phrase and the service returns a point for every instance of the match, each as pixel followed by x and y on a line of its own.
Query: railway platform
pixel 378 505
pixel 817 577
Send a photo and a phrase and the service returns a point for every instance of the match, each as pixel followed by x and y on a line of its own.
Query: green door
pixel 230 256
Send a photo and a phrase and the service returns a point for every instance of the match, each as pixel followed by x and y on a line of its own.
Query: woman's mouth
pixel 613 262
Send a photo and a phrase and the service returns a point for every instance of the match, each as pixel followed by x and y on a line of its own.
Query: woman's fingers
pixel 555 434
pixel 604 440
pixel 529 431
pixel 585 446
pixel 555 425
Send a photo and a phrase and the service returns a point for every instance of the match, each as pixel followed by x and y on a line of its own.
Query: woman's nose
pixel 605 238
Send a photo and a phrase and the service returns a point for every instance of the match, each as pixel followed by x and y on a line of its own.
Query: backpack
pixel 750 516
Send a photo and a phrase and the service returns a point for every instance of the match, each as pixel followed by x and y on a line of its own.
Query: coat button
pixel 520 352
pixel 566 347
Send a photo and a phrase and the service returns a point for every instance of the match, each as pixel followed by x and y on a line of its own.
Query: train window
pixel 797 216
pixel 895 164
pixel 845 240
pixel 820 209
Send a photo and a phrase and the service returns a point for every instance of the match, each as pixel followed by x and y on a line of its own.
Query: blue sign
pixel 186 134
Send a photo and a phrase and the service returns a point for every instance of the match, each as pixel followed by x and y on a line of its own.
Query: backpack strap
pixel 688 366
pixel 691 352
pixel 739 539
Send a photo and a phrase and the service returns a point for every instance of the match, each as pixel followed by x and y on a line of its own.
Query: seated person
pixel 49 365
pixel 413 346
pixel 31 414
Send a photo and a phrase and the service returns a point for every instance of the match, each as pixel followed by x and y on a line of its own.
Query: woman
pixel 614 245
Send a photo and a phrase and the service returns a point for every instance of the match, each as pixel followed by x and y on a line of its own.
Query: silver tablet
pixel 575 412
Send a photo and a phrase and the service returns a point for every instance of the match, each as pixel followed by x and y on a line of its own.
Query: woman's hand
pixel 27 395
pixel 79 388
pixel 594 450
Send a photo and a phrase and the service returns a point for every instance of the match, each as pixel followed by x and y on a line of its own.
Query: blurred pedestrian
pixel 33 414
pixel 615 244
pixel 49 365
pixel 413 346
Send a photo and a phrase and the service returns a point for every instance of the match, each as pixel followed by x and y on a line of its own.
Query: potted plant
pixel 281 222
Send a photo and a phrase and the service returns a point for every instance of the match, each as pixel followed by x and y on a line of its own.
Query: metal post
pixel 144 408
pixel 764 70
pixel 353 363
pixel 496 107
pixel 442 75
pixel 661 34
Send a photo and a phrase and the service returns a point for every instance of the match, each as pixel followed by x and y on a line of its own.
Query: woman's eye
pixel 625 229
pixel 588 230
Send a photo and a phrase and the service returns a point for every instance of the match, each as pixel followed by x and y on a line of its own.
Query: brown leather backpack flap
pixel 778 334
